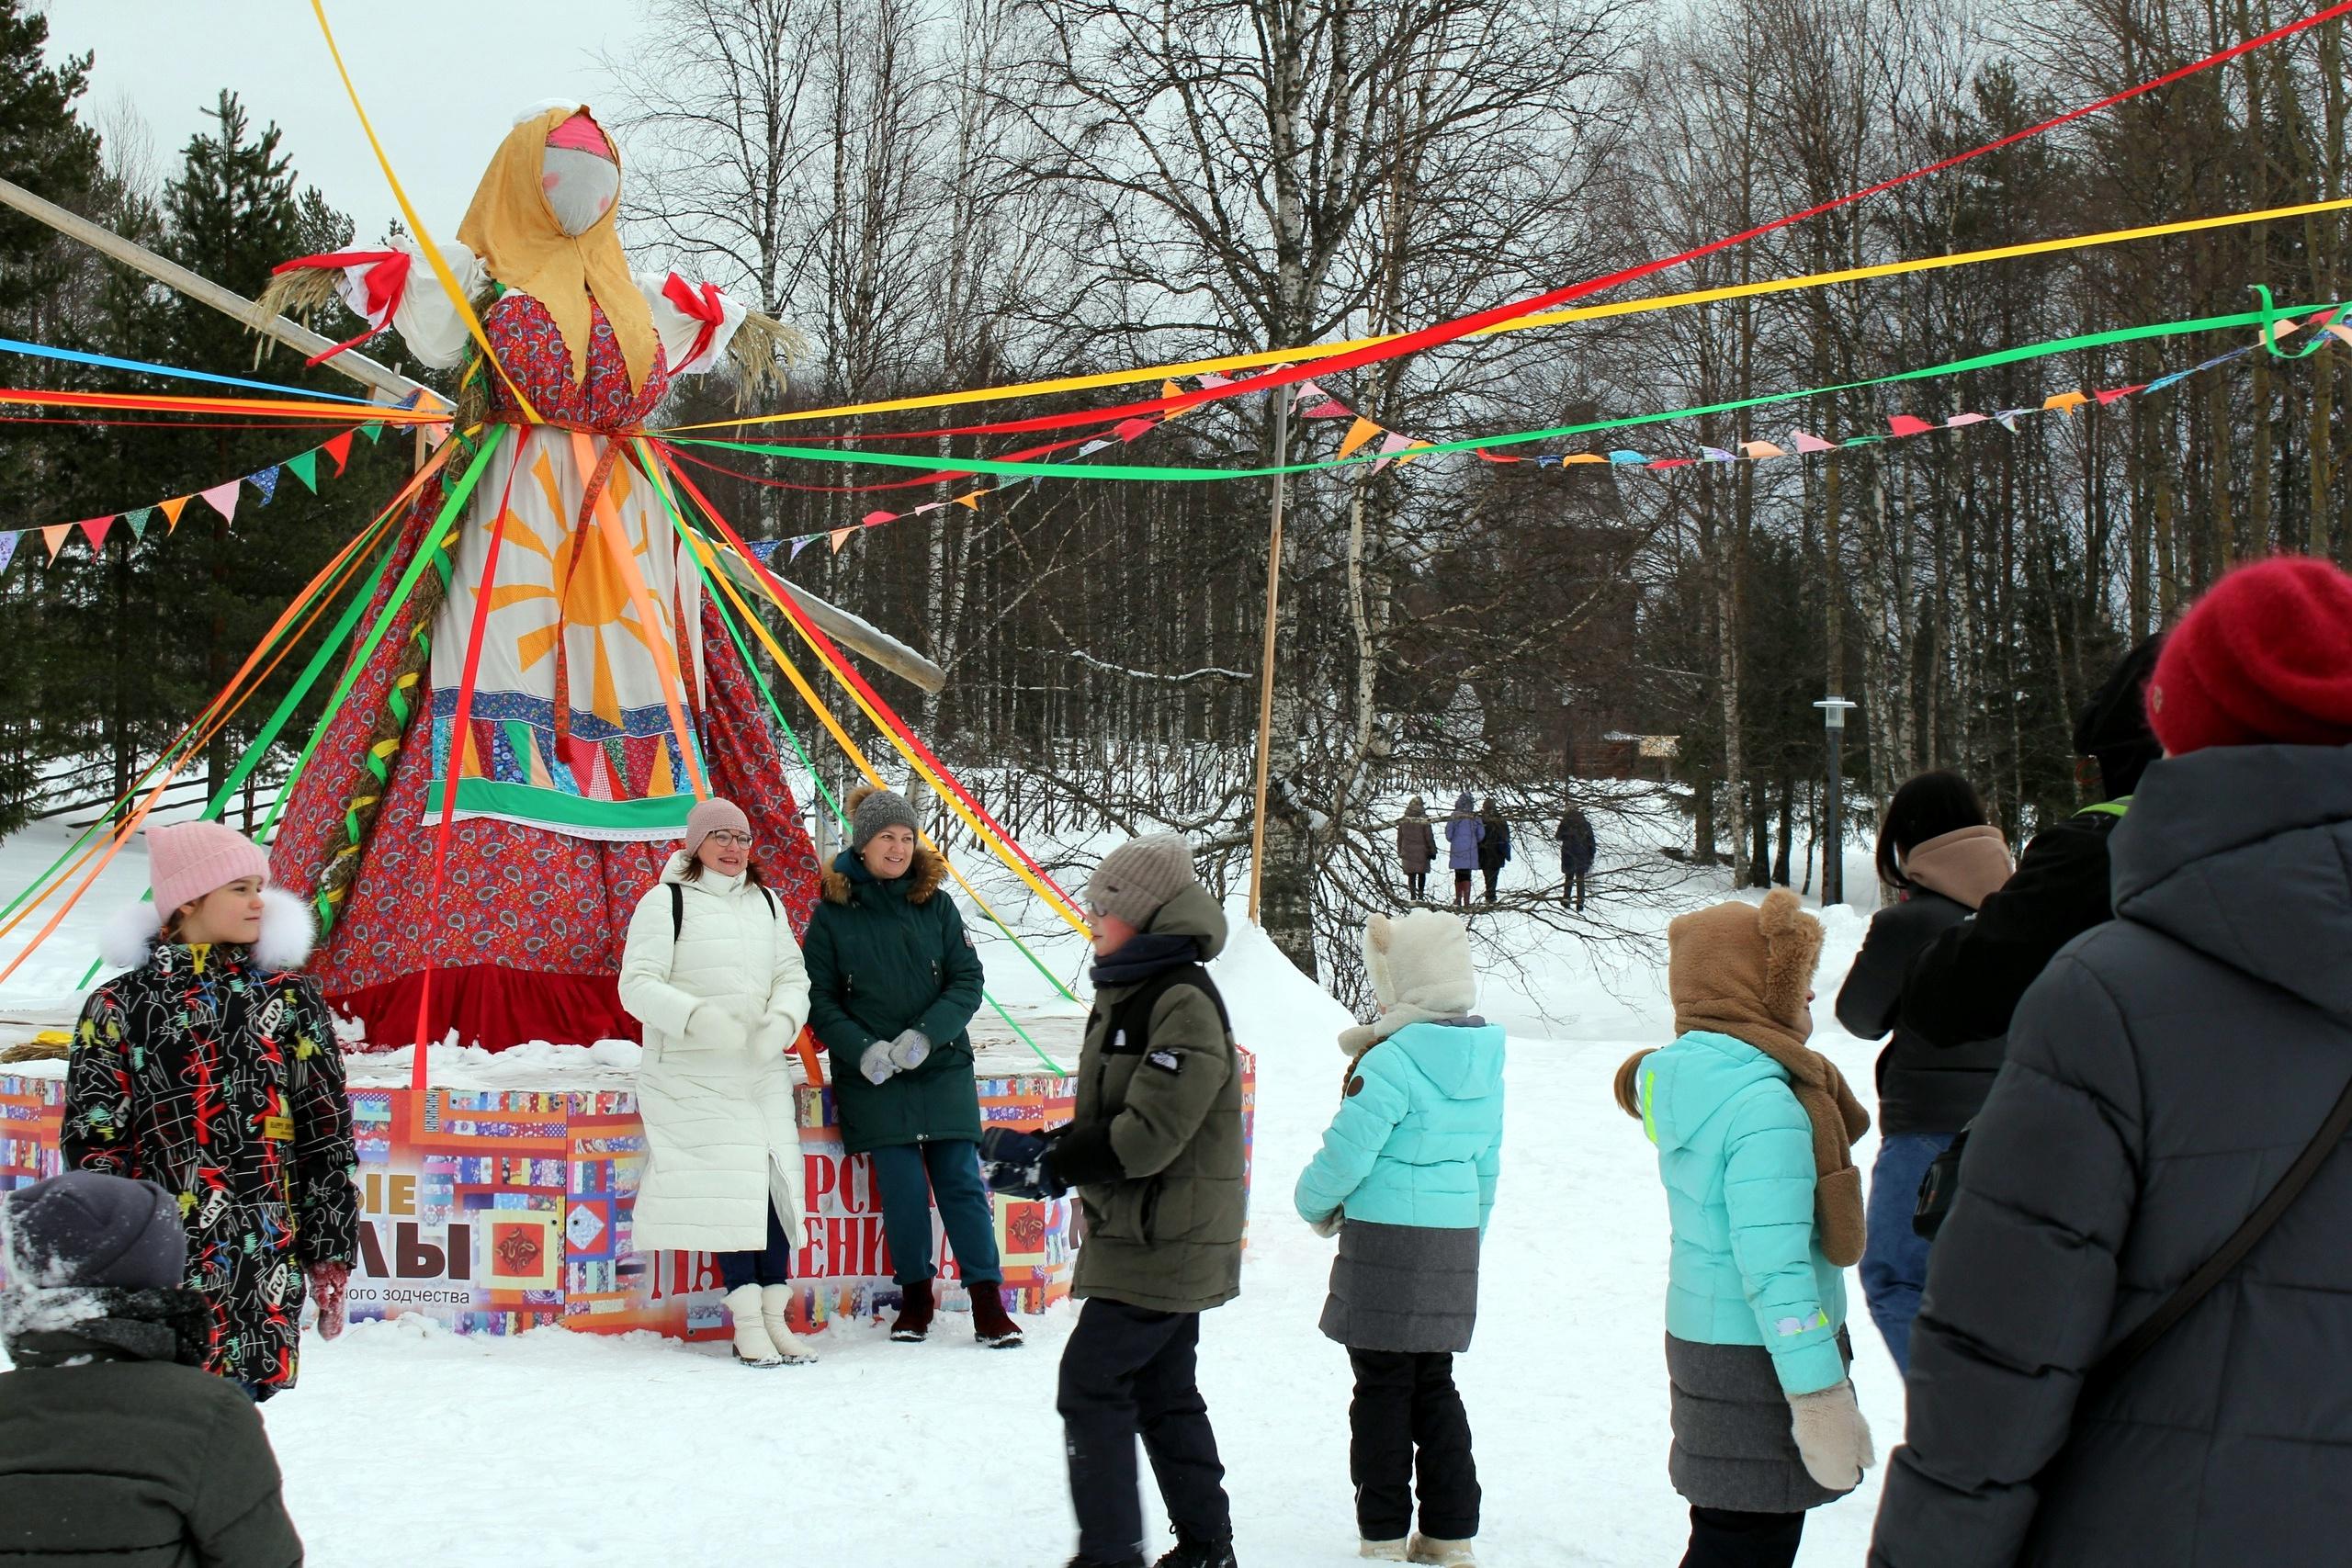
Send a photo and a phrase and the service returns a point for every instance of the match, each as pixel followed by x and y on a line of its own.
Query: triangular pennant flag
pixel 840 537
pixel 972 500
pixel 1212 380
pixel 172 508
pixel 1862 440
pixel 2116 395
pixel 1627 454
pixel 764 549
pixel 138 521
pixel 1672 462
pixel 1808 442
pixel 1016 479
pixel 1547 461
pixel 1490 457
pixel 304 465
pixel 1584 458
pixel 373 429
pixel 1717 455
pixel 54 535
pixel 872 518
pixel 2162 382
pixel 339 448
pixel 1091 447
pixel 1170 390
pixel 223 498
pixel 1361 431
pixel 2340 330
pixel 929 506
pixel 95 529
pixel 265 482
pixel 1908 424
pixel 2008 419
pixel 2065 403
pixel 800 544
pixel 7 549
pixel 1412 452
pixel 435 434
pixel 1759 450
pixel 1129 429
pixel 1963 420
pixel 1390 444
pixel 1314 402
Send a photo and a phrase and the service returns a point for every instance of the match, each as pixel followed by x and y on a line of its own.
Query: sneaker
pixel 1191 1553
pixel 1383 1551
pixel 1443 1553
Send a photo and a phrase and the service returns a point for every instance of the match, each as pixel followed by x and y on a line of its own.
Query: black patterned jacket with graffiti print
pixel 220 1077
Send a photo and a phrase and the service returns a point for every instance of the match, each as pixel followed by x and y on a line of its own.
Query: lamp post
pixel 1833 836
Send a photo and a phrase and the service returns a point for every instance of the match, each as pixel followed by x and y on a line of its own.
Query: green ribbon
pixel 775 711
pixel 1136 472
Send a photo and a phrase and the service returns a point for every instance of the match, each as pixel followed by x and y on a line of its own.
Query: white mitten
pixel 875 1064
pixel 910 1050
pixel 718 1026
pixel 1832 1437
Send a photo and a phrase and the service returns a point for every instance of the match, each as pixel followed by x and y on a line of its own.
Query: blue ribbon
pixel 107 362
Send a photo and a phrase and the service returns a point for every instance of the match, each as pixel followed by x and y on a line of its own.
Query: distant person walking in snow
pixel 1464 832
pixel 2133 1353
pixel 1578 849
pixel 115 1445
pixel 210 1067
pixel 1938 853
pixel 1416 848
pixel 1752 1128
pixel 1155 1150
pixel 1406 1176
pixel 893 982
pixel 710 968
pixel 1493 844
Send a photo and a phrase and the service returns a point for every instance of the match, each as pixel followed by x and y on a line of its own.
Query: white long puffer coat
pixel 722 1141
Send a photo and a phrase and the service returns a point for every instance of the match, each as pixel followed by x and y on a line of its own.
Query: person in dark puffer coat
pixel 1936 849
pixel 1416 848
pixel 116 1445
pixel 2162 1075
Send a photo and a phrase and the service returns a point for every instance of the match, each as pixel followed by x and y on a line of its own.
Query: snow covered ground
pixel 407 1446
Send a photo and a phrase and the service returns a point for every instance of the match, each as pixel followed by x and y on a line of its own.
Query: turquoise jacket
pixel 1419 1134
pixel 1734 1150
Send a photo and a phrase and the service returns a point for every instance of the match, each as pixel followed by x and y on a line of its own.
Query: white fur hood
pixel 287 934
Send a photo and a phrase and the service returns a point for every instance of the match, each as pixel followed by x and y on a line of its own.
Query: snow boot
pixel 915 1307
pixel 990 1326
pixel 1443 1553
pixel 1191 1553
pixel 775 1302
pixel 1383 1550
pixel 752 1345
pixel 1136 1561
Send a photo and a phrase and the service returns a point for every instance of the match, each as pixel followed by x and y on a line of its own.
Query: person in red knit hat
pixel 2084 1389
pixel 2265 658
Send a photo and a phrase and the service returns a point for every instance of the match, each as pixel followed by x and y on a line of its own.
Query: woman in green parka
pixel 893 981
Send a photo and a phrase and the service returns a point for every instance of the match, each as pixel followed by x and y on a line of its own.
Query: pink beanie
pixel 188 860
pixel 709 815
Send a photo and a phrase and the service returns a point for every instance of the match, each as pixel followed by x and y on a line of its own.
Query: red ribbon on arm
pixel 704 307
pixel 386 280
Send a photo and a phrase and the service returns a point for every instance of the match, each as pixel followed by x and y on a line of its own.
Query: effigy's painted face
pixel 581 186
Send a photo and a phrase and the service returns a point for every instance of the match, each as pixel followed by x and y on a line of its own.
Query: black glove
pixel 1019 1163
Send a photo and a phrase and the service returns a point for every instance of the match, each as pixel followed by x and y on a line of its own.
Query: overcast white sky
pixel 442 83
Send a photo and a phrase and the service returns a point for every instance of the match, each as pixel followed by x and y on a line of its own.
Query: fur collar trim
pixel 127 939
pixel 929 869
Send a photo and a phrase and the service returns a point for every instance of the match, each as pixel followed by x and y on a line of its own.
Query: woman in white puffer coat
pixel 711 970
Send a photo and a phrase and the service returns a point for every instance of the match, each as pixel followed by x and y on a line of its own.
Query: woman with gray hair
pixel 894 981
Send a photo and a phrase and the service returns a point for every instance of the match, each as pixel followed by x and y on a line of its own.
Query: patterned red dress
pixel 525 937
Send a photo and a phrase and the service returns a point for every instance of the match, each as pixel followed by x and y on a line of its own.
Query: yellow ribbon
pixel 1259 360
pixel 416 224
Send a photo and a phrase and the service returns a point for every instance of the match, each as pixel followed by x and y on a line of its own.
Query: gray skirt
pixel 1734 1445
pixel 1403 1287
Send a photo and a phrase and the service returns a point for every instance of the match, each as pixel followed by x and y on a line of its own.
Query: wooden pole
pixel 1266 655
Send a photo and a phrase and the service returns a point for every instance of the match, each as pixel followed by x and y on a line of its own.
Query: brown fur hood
pixel 924 877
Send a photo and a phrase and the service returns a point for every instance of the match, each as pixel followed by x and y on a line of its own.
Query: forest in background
pixel 955 193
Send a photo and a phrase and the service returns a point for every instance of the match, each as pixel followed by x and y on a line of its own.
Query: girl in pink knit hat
pixel 209 1066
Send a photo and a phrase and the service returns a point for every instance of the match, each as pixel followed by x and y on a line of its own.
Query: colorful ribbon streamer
pixel 109 362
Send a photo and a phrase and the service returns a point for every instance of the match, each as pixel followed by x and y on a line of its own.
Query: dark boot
pixel 1191 1553
pixel 1091 1562
pixel 990 1326
pixel 915 1306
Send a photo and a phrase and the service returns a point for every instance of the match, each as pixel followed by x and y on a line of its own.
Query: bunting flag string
pixel 223 498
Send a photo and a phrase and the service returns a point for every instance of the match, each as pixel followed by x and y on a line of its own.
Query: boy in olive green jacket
pixel 1155 1150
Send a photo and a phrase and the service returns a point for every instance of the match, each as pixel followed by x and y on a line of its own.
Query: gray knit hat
pixel 1140 875
pixel 86 1229
pixel 871 811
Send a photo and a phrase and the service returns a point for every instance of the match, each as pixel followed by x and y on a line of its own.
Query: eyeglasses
pixel 733 841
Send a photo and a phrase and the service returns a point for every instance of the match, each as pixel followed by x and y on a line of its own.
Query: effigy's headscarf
pixel 511 227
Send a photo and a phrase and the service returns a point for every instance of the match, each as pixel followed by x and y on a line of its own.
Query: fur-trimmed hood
pixel 287 934
pixel 923 876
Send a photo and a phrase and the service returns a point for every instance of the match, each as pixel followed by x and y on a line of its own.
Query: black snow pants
pixel 1721 1539
pixel 1128 1371
pixel 1408 1412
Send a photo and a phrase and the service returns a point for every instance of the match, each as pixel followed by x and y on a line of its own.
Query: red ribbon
pixel 702 307
pixel 385 281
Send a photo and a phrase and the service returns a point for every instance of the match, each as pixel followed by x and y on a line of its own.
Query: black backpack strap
pixel 1130 1024
pixel 2109 1369
pixel 677 911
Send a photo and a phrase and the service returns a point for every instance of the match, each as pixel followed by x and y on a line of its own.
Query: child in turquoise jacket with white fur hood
pixel 1406 1178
